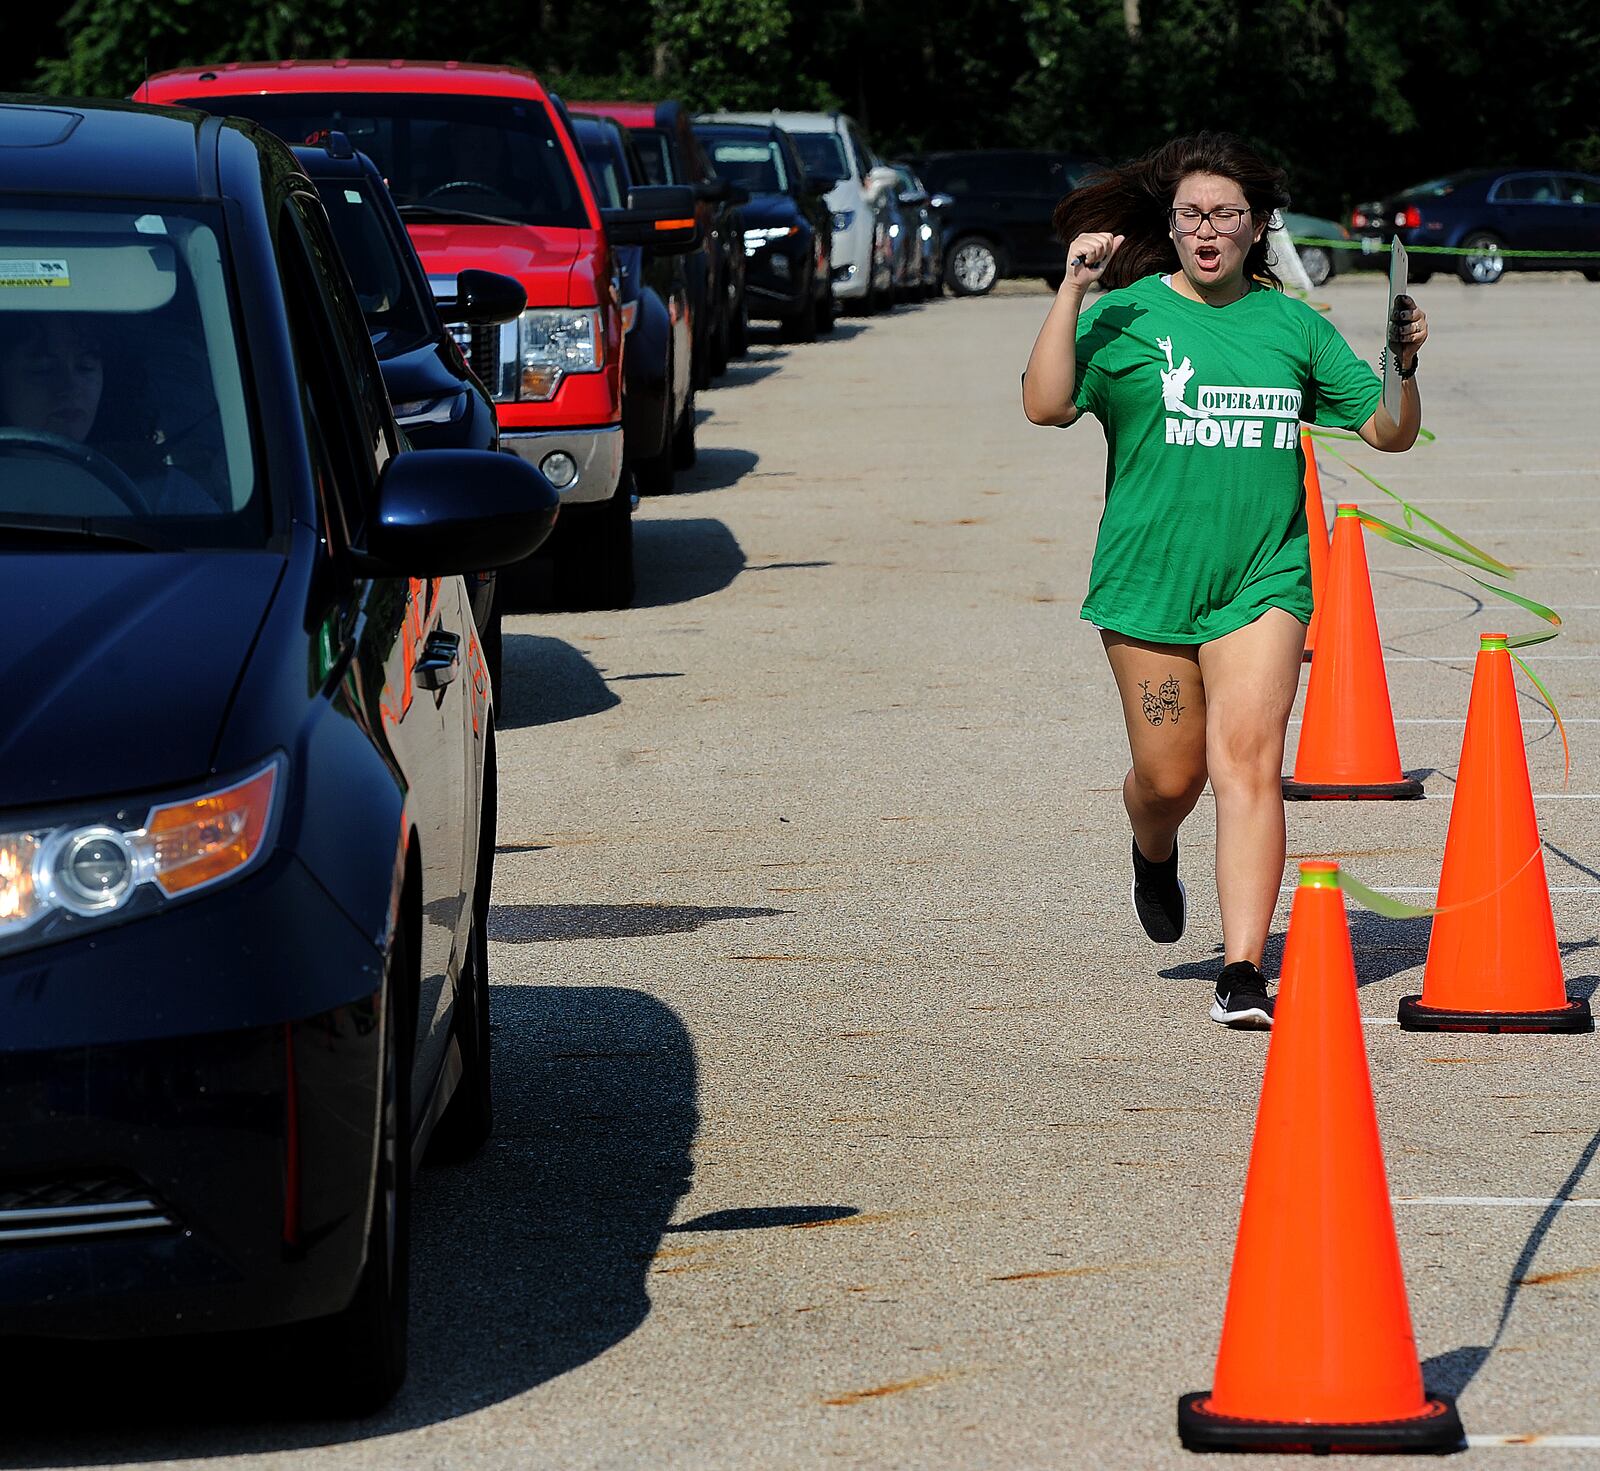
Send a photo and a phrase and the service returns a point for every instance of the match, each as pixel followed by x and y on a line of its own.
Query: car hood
pixel 122 666
pixel 772 209
pixel 541 259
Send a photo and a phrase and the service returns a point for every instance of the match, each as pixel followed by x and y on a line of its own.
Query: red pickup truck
pixel 485 171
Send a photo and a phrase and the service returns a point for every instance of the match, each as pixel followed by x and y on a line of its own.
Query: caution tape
pixel 1369 246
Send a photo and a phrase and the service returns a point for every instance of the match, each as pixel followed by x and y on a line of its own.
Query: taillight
pixel 1410 218
pixel 1358 219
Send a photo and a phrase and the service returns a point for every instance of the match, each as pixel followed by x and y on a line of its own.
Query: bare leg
pixel 1250 680
pixel 1164 708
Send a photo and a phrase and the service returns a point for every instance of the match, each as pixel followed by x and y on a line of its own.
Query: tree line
pixel 1354 98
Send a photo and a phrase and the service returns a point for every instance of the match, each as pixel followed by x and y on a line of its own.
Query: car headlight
pixel 843 218
pixel 926 231
pixel 551 344
pixel 57 880
pixel 762 236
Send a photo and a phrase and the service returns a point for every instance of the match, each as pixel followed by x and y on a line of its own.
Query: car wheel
pixel 739 346
pixel 1481 262
pixel 493 641
pixel 683 450
pixel 718 356
pixel 355 1361
pixel 594 567
pixel 1053 279
pixel 827 313
pixel 972 268
pixel 1318 264
pixel 1419 276
pixel 1590 274
pixel 802 326
pixel 468 1119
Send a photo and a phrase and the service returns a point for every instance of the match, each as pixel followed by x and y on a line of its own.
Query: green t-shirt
pixel 1204 525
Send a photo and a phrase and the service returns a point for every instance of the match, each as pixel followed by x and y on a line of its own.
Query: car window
pixel 122 391
pixel 1526 189
pixel 475 155
pixel 378 271
pixel 757 163
pixel 1575 189
pixel 655 152
pixel 604 165
pixel 822 154
pixel 1432 189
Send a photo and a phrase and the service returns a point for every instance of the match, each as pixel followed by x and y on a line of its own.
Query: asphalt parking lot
pixel 846 1117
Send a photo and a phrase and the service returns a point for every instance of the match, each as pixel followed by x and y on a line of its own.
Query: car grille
pixel 82 1206
pixel 491 353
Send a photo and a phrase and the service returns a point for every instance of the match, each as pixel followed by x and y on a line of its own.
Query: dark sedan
pixel 1479 213
pixel 438 401
pixel 788 229
pixel 247 792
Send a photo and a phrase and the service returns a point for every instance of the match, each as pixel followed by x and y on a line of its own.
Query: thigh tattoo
pixel 1162 705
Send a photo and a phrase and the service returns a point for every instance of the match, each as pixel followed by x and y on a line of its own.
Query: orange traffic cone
pixel 1347 744
pixel 1317 1352
pixel 1493 961
pixel 1317 527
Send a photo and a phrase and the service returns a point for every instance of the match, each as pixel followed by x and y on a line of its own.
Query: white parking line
pixel 1380 1021
pixel 1537 796
pixel 1464 658
pixel 1483 611
pixel 1535 1441
pixel 1521 567
pixel 1434 889
pixel 1538 1200
pixel 1462 720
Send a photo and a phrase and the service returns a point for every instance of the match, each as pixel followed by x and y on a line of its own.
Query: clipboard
pixel 1399 276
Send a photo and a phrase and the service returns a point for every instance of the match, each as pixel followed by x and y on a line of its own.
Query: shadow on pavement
pixel 522 924
pixel 526 1263
pixel 714 469
pixel 546 681
pixel 767 1217
pixel 678 561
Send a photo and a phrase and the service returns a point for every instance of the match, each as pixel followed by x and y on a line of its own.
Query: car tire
pixel 468 1120
pixel 1481 263
pixel 1318 264
pixel 1591 274
pixel 655 475
pixel 717 358
pixel 827 313
pixel 1053 279
pixel 494 644
pixel 739 346
pixel 1416 276
pixel 594 567
pixel 972 267
pixel 355 1361
pixel 802 326
pixel 684 453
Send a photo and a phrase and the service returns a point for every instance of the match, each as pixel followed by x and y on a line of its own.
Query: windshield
pixel 122 401
pixel 496 156
pixel 822 154
pixel 755 163
pixel 655 153
pixel 377 269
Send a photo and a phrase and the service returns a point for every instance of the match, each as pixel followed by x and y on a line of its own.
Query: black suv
pixel 999 222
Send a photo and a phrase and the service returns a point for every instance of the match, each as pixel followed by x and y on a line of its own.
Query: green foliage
pixel 1353 97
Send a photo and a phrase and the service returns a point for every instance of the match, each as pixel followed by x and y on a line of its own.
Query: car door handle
pixel 440 661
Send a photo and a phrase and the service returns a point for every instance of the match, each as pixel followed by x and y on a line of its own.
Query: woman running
pixel 1200 370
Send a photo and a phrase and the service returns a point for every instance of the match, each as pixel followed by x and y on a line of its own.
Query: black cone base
pixel 1573 1017
pixel 1436 1433
pixel 1409 790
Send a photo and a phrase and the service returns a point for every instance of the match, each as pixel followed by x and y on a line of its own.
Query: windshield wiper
pixel 442 212
pixel 68 530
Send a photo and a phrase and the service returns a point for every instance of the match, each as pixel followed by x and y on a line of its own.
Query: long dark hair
pixel 1133 199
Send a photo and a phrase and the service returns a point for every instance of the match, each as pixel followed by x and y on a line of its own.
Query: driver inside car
pixel 54 380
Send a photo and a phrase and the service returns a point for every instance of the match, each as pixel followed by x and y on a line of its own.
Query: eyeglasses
pixel 1225 220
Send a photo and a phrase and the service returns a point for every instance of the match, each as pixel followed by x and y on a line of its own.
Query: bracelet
pixel 1405 375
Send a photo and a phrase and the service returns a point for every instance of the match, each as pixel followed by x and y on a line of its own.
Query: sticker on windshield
pixel 35 273
pixel 352 196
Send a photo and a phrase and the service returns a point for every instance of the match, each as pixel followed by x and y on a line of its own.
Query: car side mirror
pixel 713 191
pixel 484 299
pixel 660 216
pixel 448 511
pixel 941 201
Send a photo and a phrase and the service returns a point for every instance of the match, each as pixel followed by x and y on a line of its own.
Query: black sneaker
pixel 1241 999
pixel 1159 898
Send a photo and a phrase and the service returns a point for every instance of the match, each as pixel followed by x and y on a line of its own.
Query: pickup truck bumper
pixel 597 453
